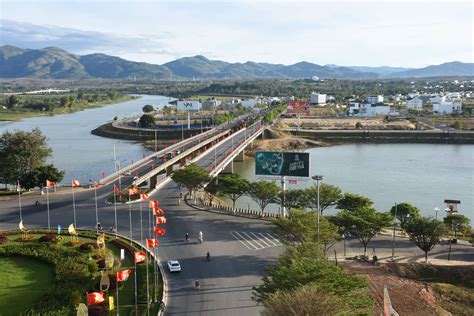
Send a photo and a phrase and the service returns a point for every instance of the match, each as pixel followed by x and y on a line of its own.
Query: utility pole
pixel 393 237
pixel 318 178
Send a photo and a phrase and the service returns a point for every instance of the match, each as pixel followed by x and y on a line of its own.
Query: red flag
pixel 153 203
pixel 50 183
pixel 95 298
pixel 159 231
pixel 161 220
pixel 123 275
pixel 152 243
pixel 140 256
pixel 116 190
pixel 144 196
pixel 132 191
pixel 158 211
pixel 75 183
pixel 96 184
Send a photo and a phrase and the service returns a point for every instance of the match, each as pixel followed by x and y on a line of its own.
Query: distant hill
pixel 52 62
pixel 454 68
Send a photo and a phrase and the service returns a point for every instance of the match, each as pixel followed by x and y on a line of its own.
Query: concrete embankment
pixel 112 130
pixel 383 136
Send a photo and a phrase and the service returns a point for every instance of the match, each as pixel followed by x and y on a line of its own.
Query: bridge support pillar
pixel 153 181
pixel 229 168
pixel 169 170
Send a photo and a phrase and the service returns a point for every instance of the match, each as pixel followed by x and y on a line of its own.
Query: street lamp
pixel 318 178
pixel 393 237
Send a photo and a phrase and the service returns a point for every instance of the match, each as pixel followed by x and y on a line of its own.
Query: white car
pixel 174 266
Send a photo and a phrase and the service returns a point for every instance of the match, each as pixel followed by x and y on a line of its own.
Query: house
pixel 301 107
pixel 415 104
pixel 250 103
pixel 317 98
pixel 188 105
pixel 373 99
pixel 367 109
pixel 447 107
pixel 211 104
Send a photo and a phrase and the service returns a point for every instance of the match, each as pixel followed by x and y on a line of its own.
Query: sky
pixel 363 33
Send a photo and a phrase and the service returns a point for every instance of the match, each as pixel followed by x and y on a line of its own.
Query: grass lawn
pixel 22 282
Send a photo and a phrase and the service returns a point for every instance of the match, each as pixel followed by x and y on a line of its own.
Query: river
pixel 421 174
pixel 82 155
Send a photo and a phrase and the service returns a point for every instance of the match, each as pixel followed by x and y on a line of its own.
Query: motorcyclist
pixel 208 256
pixel 197 284
pixel 187 237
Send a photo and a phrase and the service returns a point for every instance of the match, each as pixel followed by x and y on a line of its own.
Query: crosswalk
pixel 256 240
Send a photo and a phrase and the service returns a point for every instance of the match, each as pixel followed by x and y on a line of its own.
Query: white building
pixel 317 98
pixel 372 99
pixel 212 104
pixel 415 104
pixel 188 105
pixel 447 107
pixel 367 109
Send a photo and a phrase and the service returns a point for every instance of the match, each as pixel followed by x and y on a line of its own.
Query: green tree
pixel 192 177
pixel 147 120
pixel 212 189
pixel 352 202
pixel 263 193
pixel 329 195
pixel 457 125
pixel 404 211
pixel 64 101
pixel 362 223
pixel 457 223
pixel 294 198
pixel 148 108
pixel 233 186
pixel 21 153
pixel 425 233
pixel 12 101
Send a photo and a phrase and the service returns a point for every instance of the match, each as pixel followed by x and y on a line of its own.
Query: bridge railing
pixel 142 161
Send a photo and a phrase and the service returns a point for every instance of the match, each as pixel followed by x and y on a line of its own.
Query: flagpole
pixel 130 217
pixel 117 289
pixel 47 206
pixel 74 206
pixel 96 209
pixel 115 211
pixel 141 223
pixel 147 287
pixel 136 296
pixel 155 276
pixel 18 188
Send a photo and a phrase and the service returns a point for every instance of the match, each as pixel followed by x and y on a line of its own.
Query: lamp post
pixel 318 178
pixel 393 237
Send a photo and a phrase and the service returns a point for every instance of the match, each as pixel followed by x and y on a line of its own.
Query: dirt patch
pixel 419 289
pixel 346 123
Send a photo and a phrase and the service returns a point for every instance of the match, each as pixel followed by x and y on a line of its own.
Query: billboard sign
pixel 271 163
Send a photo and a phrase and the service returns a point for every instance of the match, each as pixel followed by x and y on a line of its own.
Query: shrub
pixel 48 238
pixel 3 239
pixel 88 246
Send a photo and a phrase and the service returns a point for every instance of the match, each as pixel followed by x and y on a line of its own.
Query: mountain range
pixel 56 63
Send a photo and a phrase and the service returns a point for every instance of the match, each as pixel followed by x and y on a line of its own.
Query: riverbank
pixel 8 115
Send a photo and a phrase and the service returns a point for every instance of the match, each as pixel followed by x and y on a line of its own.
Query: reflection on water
pixel 421 174
pixel 82 155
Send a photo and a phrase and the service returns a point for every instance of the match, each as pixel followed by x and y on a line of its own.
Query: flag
pixel 18 187
pixel 116 190
pixel 132 191
pixel 140 256
pixel 123 275
pixel 159 231
pixel 20 226
pixel 96 184
pixel 153 203
pixel 95 298
pixel 152 243
pixel 72 230
pixel 158 211
pixel 50 183
pixel 75 183
pixel 59 229
pixel 144 196
pixel 160 220
pixel 111 303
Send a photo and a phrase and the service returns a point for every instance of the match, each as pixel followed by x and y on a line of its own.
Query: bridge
pixel 214 150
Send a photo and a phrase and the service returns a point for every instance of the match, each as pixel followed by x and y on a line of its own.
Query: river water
pixel 421 174
pixel 82 155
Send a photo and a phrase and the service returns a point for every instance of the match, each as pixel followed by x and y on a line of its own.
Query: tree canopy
pixel 233 186
pixel 192 177
pixel 21 153
pixel 404 211
pixel 148 108
pixel 457 223
pixel 146 120
pixel 38 177
pixel 351 202
pixel 425 233
pixel 293 199
pixel 263 193
pixel 329 195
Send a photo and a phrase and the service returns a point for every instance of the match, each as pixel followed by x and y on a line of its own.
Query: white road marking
pixel 255 240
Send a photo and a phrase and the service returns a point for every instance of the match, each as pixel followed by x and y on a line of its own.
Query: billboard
pixel 271 163
pixel 298 107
